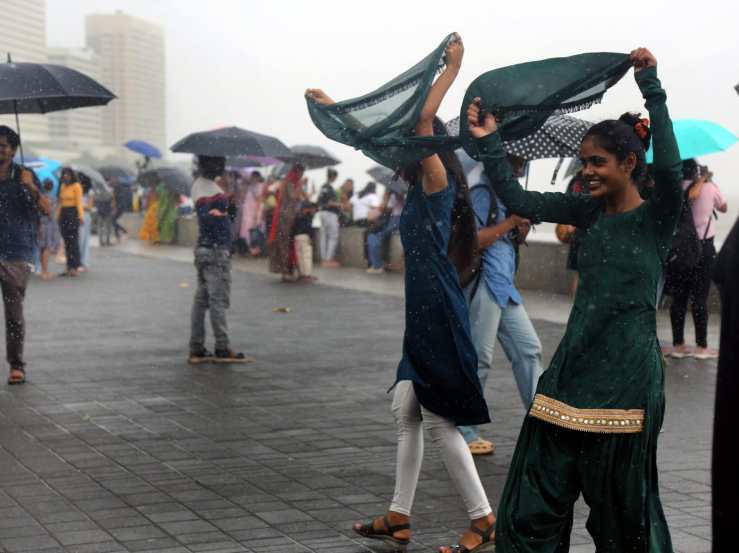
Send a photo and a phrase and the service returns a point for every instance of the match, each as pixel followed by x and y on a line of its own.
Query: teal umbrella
pixel 696 137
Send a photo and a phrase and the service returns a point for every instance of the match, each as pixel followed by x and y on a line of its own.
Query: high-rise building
pixel 132 65
pixel 82 127
pixel 23 36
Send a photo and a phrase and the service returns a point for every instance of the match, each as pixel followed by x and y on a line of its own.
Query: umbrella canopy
pixel 42 87
pixel 174 179
pixel 696 137
pixel 231 141
pixel 121 173
pixel 560 136
pixel 45 169
pixel 242 162
pixel 99 185
pixel 144 148
pixel 312 157
pixel 387 178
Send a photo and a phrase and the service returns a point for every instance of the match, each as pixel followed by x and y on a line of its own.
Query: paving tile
pixel 107 455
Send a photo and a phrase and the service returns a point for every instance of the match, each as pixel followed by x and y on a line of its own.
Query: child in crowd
pixel 302 232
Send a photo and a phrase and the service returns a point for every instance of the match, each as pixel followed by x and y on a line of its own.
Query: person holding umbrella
pixel 21 204
pixel 213 263
pixel 71 216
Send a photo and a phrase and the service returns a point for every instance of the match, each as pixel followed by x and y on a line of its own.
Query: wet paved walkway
pixel 117 444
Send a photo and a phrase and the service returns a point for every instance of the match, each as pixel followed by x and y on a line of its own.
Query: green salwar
pixel 598 411
pixel 166 215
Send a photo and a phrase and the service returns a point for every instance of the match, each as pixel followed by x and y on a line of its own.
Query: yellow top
pixel 70 195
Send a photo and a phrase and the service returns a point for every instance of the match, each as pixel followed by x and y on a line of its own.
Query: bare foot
pixel 47 276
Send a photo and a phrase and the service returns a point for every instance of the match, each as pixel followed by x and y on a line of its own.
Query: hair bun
pixel 640 126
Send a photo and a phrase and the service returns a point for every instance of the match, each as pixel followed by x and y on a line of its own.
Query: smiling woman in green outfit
pixel 594 422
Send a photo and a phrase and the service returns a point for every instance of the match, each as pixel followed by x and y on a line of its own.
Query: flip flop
pixel 481 447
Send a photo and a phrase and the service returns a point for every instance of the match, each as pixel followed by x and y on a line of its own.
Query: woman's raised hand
pixel 480 129
pixel 319 96
pixel 642 58
pixel 454 53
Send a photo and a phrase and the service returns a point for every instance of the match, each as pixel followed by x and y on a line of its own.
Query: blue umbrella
pixel 144 148
pixel 696 137
pixel 45 169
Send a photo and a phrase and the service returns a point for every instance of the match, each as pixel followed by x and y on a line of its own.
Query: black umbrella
pixel 231 141
pixel 110 171
pixel 560 136
pixel 387 178
pixel 312 157
pixel 174 179
pixel 41 88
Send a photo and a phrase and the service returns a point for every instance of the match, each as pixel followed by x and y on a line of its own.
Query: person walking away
pixel 88 201
pixel 302 233
pixel 71 216
pixel 496 307
pixel 282 259
pixel 436 384
pixel 213 264
pixel 595 420
pixel 329 210
pixel 21 205
pixel 392 203
pixel 122 202
pixel 49 237
pixel 105 208
pixel 345 195
pixel 690 280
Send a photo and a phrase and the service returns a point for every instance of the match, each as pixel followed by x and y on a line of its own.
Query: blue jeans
pixel 376 239
pixel 516 334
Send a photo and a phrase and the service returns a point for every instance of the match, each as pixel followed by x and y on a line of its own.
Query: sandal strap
pixel 484 534
pixel 397 528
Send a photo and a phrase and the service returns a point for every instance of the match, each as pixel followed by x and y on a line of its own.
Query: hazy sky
pixel 248 62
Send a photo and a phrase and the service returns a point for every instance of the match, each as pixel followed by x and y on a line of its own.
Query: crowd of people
pixel 289 222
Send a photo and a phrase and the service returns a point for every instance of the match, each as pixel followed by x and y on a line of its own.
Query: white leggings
pixel 454 451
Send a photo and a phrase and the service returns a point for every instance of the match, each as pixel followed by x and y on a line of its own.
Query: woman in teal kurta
pixel 594 423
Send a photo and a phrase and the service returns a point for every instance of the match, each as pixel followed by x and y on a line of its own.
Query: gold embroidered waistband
pixel 608 421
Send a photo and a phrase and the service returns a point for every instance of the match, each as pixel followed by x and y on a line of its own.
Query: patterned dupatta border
pixel 604 421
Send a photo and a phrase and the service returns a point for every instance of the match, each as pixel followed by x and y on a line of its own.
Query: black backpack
pixel 686 250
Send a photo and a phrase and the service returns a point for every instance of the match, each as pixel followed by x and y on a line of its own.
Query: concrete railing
pixel 543 263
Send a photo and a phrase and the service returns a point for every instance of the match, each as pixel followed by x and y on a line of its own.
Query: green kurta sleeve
pixel 666 200
pixel 554 207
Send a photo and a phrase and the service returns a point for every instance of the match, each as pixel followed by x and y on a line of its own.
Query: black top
pixel 326 195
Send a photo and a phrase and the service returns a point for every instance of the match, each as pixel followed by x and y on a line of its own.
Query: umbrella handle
pixel 18 125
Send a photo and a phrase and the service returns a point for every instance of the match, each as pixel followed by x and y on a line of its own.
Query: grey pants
pixel 213 293
pixel 13 280
pixel 329 235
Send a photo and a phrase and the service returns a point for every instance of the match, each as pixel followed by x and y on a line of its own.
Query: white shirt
pixel 362 206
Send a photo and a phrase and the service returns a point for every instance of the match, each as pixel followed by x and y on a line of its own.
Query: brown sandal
pixel 17 376
pixel 387 535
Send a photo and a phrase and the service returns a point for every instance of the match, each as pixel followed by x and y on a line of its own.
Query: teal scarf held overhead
pixel 523 96
pixel 381 123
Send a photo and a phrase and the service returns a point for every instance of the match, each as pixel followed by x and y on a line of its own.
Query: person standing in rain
pixel 436 382
pixel 71 216
pixel 21 205
pixel 595 420
pixel 496 307
pixel 213 264
pixel 692 284
pixel 329 210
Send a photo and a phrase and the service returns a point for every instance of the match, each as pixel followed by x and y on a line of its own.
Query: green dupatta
pixel 523 96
